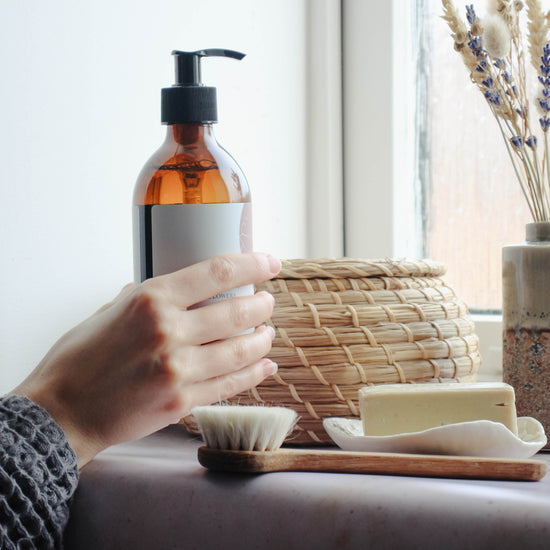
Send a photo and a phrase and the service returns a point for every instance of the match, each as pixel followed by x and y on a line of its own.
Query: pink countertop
pixel 153 494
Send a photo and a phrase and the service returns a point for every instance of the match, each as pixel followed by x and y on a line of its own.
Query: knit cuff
pixel 38 476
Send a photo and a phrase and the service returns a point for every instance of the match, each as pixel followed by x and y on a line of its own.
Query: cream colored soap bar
pixel 390 409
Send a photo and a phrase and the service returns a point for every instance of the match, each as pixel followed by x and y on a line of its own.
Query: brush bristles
pixel 245 428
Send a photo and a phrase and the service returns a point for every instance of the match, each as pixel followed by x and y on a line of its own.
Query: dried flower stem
pixel 502 80
pixel 520 179
pixel 542 190
pixel 538 31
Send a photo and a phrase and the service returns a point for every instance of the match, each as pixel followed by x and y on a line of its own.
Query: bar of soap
pixel 391 409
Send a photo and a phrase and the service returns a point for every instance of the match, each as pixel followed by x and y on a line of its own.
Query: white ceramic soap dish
pixel 482 438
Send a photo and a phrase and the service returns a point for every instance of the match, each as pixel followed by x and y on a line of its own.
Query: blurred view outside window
pixel 471 202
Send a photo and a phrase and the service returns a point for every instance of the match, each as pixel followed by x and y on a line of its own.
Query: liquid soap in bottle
pixel 191 200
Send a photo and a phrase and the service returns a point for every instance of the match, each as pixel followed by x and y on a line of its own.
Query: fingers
pixel 198 282
pixel 223 387
pixel 210 373
pixel 224 319
pixel 219 358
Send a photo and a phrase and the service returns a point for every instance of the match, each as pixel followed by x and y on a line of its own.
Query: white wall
pixel 80 109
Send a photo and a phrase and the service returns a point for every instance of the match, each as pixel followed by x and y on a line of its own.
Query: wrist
pixel 83 446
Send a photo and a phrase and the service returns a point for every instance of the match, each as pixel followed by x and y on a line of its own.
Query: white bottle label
pixel 175 236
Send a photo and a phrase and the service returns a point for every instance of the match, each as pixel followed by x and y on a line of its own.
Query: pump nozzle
pixel 188 64
pixel 188 100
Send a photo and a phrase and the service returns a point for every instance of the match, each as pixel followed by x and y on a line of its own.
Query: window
pixel 426 172
pixel 474 205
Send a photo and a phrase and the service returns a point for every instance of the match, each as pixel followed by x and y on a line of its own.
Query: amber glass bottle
pixel 191 199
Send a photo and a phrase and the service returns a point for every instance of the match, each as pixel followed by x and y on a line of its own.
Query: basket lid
pixel 345 268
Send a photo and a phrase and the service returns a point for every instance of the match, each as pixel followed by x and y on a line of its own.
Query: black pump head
pixel 188 64
pixel 188 100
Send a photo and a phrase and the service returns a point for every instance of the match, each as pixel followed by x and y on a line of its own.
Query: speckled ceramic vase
pixel 526 322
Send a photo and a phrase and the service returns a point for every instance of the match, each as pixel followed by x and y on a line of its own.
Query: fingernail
pixel 265 293
pixel 266 328
pixel 274 264
pixel 270 368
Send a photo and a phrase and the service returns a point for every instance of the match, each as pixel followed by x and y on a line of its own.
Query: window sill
pixel 154 494
pixel 489 331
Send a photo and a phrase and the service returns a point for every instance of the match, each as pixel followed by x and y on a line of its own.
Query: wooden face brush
pixel 247 439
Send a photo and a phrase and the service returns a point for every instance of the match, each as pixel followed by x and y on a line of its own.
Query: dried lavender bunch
pixel 493 52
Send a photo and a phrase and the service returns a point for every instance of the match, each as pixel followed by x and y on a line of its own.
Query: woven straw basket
pixel 342 324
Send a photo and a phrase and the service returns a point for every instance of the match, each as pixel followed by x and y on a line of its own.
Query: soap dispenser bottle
pixel 191 200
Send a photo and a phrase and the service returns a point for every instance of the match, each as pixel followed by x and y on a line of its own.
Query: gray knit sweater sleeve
pixel 38 476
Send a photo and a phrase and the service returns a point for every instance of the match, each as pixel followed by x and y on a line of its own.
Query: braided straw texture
pixel 342 324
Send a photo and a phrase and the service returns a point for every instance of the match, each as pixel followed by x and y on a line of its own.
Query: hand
pixel 144 360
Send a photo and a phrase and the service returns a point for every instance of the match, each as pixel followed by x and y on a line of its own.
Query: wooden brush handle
pixel 301 460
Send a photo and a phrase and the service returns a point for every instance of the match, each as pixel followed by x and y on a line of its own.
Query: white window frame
pixel 325 190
